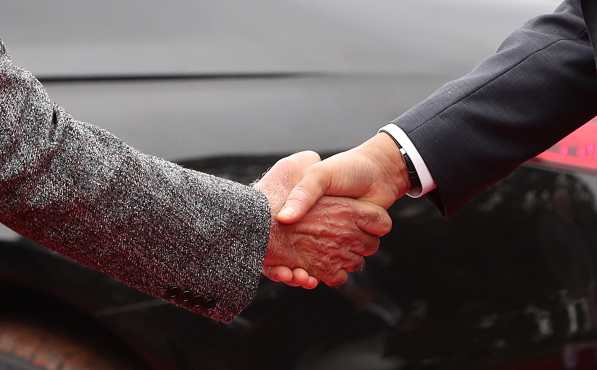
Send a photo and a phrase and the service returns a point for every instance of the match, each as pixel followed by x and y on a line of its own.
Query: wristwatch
pixel 413 176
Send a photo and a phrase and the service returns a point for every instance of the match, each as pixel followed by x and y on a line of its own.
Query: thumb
pixel 305 194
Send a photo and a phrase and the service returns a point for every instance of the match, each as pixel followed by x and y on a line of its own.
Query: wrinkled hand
pixel 329 241
pixel 374 171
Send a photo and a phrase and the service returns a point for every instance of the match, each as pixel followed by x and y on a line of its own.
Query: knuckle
pixel 366 212
pixel 371 248
pixel 386 224
pixel 339 280
pixel 355 265
pixel 313 155
pixel 336 277
pixel 317 170
pixel 283 161
pixel 329 281
pixel 379 220
pixel 375 220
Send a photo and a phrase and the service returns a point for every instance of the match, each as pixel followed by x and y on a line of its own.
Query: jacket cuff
pixel 235 266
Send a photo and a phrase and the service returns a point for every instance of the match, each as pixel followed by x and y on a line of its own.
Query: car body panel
pixel 85 37
pixel 361 65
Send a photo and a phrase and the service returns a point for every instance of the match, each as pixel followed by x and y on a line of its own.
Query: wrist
pixel 385 153
pixel 273 244
pixel 275 236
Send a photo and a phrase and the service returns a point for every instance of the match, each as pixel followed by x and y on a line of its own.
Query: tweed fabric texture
pixel 194 239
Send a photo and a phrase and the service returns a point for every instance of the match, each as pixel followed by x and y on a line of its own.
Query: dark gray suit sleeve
pixel 538 87
pixel 193 239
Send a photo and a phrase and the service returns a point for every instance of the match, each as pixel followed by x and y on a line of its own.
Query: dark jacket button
pixel 197 302
pixel 187 296
pixel 203 302
pixel 172 292
pixel 210 303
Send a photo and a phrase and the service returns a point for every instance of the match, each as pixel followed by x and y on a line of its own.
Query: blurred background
pixel 228 87
pixel 280 75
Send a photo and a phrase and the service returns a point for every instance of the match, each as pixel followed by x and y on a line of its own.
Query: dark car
pixel 228 87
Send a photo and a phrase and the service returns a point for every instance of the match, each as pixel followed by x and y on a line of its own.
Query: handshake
pixel 328 215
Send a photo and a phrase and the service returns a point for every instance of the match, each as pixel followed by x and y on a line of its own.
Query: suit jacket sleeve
pixel 193 239
pixel 537 88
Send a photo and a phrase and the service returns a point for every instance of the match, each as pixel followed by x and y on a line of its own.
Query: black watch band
pixel 413 177
pixel 416 187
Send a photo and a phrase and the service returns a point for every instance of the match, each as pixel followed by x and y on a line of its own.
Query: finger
pixel 302 161
pixel 300 277
pixel 367 246
pixel 312 283
pixel 303 279
pixel 288 171
pixel 305 194
pixel 354 263
pixel 372 219
pixel 267 271
pixel 339 278
pixel 280 274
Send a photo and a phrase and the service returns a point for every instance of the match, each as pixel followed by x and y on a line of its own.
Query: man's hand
pixel 329 241
pixel 374 171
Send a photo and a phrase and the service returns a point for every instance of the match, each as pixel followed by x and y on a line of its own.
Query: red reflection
pixel 579 149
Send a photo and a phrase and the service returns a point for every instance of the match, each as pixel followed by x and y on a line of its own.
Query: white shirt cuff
pixel 427 182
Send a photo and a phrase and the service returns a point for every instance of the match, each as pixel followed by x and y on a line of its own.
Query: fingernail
pixel 286 212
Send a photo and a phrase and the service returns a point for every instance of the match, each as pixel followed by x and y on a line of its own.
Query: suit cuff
pixel 427 182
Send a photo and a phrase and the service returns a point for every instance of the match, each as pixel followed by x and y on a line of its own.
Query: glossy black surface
pixel 508 283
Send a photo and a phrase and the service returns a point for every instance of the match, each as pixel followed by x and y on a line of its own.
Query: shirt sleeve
pixel 427 182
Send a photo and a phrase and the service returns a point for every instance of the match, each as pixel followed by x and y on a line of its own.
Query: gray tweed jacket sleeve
pixel 188 237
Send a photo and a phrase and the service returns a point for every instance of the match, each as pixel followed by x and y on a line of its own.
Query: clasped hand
pixel 328 215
